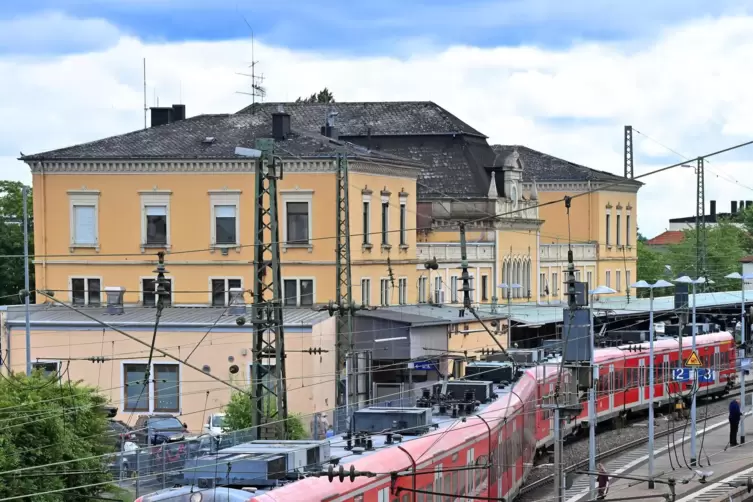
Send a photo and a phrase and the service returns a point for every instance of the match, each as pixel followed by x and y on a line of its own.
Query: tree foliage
pixel 238 416
pixel 12 242
pixel 323 96
pixel 48 421
pixel 725 245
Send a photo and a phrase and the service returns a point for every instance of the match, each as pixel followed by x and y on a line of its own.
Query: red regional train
pixel 490 453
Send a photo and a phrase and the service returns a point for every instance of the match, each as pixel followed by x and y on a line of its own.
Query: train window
pixel 406 497
pixel 420 497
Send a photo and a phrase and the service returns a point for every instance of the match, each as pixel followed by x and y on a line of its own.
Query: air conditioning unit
pixel 483 390
pixel 265 469
pixel 407 421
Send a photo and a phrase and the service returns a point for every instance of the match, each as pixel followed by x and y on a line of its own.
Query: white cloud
pixel 688 89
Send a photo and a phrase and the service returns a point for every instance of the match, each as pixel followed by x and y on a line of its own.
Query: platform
pixel 715 456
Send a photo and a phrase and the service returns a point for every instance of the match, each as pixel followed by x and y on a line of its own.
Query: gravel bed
pixel 609 438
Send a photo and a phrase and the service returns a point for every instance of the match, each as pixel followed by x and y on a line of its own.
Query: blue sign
pixel 423 365
pixel 706 375
pixel 681 374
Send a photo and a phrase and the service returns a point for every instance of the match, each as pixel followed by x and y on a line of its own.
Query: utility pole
pixel 629 152
pixel 25 192
pixel 343 307
pixel 700 222
pixel 268 336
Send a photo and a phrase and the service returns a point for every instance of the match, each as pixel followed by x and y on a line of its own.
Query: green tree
pixel 238 416
pixel 323 96
pixel 45 421
pixel 12 242
pixel 650 268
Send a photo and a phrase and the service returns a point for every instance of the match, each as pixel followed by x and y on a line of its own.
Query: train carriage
pixel 491 453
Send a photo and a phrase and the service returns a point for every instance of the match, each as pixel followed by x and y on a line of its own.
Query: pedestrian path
pixel 716 462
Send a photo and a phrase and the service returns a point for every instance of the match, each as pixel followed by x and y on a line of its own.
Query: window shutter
pixel 224 211
pixel 85 225
pixel 156 211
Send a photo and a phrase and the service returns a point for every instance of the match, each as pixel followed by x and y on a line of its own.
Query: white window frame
pixel 102 298
pixel 155 198
pixel 589 279
pixel 542 283
pixel 298 280
pixel 453 289
pixel 384 291
pixel 297 195
pixel 608 278
pixel 154 277
pixel 608 223
pixel 403 223
pixel 225 198
pixel 555 290
pixel 366 238
pixel 618 280
pixel 423 285
pixel 628 221
pixel 384 230
pixel 627 280
pixel 151 388
pixel 57 362
pixel 227 289
pixel 484 293
pixel 367 290
pixel 402 290
pixel 83 197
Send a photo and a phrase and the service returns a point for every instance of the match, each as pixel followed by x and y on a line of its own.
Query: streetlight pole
pixel 742 278
pixel 651 371
pixel 599 290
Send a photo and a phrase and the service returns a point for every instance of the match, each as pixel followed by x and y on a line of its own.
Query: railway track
pixel 630 454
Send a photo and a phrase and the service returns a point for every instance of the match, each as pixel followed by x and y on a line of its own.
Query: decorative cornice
pixel 580 186
pixel 203 166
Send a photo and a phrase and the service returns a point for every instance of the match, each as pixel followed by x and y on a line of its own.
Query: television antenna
pixel 257 89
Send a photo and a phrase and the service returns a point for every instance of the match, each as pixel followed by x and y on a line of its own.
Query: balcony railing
pixel 451 251
pixel 558 252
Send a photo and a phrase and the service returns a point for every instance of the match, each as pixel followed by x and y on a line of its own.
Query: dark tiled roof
pixel 396 118
pixel 543 167
pixel 667 238
pixel 184 140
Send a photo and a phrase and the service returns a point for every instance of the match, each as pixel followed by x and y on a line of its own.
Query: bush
pixel 238 416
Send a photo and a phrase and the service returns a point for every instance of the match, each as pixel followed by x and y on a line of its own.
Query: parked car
pixel 215 424
pixel 159 428
pixel 196 494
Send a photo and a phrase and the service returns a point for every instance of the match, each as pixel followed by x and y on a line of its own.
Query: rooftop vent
pixel 208 140
pixel 115 299
pixel 280 125
pixel 237 303
pixel 329 129
pixel 162 115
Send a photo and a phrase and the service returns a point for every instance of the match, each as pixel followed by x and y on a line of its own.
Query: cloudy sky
pixel 561 77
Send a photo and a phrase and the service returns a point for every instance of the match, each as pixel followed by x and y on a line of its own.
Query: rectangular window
pixel 366 292
pixel 48 368
pixel 298 292
pixel 454 289
pixel 384 292
pixel 86 291
pixel 577 275
pixel 555 284
pixel 298 222
pixel 85 225
pixel 385 223
pixel 609 234
pixel 403 229
pixel 542 284
pixel 627 230
pixel 156 225
pixel 224 221
pixel 589 277
pixel 402 288
pixel 618 280
pixel 609 279
pixel 484 288
pixel 149 290
pixel 166 387
pixel 619 240
pixel 627 280
pixel 366 222
pixel 438 297
pixel 221 291
pixel 423 283
pixel 136 390
pixel 162 394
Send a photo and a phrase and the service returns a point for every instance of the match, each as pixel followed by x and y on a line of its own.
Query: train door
pixel 642 389
pixel 610 390
pixel 717 364
pixel 664 387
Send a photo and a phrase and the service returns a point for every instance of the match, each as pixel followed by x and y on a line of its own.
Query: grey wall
pixel 367 329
